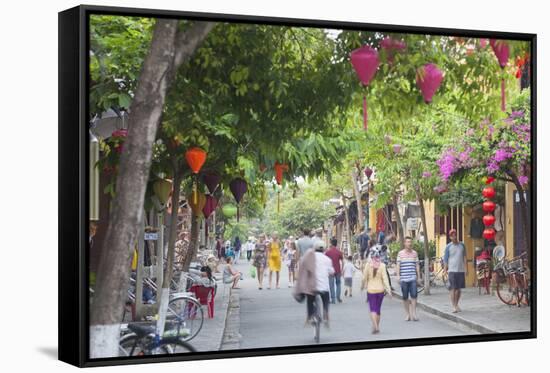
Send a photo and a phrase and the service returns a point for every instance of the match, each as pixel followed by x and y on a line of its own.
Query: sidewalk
pixel 483 313
pixel 211 335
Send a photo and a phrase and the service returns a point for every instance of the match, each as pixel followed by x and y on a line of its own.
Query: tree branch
pixel 186 41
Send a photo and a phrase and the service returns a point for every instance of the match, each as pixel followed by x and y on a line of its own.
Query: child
pixel 348 271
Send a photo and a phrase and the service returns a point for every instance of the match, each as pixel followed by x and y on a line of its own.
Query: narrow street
pixel 272 318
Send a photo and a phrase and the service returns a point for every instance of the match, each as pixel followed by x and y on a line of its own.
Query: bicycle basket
pixel 500 275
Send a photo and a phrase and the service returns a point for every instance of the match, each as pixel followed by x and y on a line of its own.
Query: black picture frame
pixel 73 183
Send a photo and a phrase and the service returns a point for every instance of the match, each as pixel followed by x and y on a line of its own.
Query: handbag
pixel 252 272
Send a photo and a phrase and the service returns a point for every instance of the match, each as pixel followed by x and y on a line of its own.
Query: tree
pixel 169 48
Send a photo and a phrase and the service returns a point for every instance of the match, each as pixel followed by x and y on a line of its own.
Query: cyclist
pixel 316 268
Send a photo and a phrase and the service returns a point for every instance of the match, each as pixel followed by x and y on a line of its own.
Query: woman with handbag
pixel 260 260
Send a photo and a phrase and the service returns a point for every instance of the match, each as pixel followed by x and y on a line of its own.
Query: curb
pixel 451 317
pixel 231 339
pixel 226 299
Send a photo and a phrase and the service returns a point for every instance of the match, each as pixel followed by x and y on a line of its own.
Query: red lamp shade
pixel 489 180
pixel 488 192
pixel 195 159
pixel 489 220
pixel 428 79
pixel 489 206
pixel 368 172
pixel 209 206
pixel 279 169
pixel 489 234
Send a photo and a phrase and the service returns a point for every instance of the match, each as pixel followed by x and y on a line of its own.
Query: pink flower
pixel 426 174
pixel 523 180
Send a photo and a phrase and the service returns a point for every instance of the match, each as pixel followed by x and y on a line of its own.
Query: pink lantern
pixel 428 79
pixel 368 172
pixel 397 148
pixel 209 206
pixel 502 51
pixel 482 43
pixel 365 62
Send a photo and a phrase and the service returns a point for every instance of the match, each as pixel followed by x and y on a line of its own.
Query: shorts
pixel 457 280
pixel 348 281
pixel 409 289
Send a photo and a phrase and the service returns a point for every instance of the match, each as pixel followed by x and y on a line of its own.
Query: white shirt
pixel 349 270
pixel 249 246
pixel 323 268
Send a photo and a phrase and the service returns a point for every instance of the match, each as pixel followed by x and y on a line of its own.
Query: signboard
pixel 151 236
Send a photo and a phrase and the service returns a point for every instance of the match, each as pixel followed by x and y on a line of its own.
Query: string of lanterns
pixel 489 206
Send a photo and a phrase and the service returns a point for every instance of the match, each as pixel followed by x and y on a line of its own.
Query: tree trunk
pixel 193 242
pixel 400 231
pixel 112 279
pixel 426 243
pixel 360 218
pixel 348 228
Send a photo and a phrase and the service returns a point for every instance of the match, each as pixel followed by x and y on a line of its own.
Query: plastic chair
pixel 205 296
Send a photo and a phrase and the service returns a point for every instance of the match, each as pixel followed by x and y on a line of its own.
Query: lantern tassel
pixel 503 94
pixel 365 114
pixel 195 192
pixel 238 213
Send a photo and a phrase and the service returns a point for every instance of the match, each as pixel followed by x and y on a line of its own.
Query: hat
pixel 319 244
pixel 451 231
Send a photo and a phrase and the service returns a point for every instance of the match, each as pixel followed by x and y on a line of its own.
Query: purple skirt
pixel 375 302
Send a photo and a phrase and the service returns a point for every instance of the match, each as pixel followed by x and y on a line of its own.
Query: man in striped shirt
pixel 407 275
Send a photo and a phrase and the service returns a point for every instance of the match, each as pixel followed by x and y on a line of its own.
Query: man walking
pixel 249 247
pixel 335 280
pixel 457 268
pixel 363 241
pixel 304 243
pixel 408 271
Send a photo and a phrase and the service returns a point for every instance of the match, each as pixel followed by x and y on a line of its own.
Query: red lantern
pixel 489 180
pixel 428 79
pixel 279 169
pixel 489 206
pixel 502 51
pixel 368 172
pixel 488 192
pixel 365 62
pixel 195 159
pixel 489 220
pixel 489 234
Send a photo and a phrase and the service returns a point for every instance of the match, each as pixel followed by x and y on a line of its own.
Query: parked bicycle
pixel 512 281
pixel 143 340
pixel 437 278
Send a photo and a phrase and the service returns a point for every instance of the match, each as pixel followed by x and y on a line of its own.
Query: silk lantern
pixel 489 234
pixel 238 187
pixel 488 220
pixel 368 172
pixel 162 189
pixel 211 180
pixel 488 192
pixel 489 206
pixel 365 62
pixel 489 180
pixel 428 79
pixel 195 159
pixel 279 169
pixel 197 206
pixel 502 51
pixel 229 210
pixel 209 206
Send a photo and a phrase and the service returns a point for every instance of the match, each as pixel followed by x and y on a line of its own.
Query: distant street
pixel 272 318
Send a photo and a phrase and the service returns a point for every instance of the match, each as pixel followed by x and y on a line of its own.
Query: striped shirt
pixel 407 261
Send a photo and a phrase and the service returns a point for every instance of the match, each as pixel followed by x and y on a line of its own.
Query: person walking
pixel 260 261
pixel 237 249
pixel 304 243
pixel 348 271
pixel 249 247
pixel 363 241
pixel 408 271
pixel 291 263
pixel 335 280
pixel 375 282
pixel 456 266
pixel 274 259
pixel 220 250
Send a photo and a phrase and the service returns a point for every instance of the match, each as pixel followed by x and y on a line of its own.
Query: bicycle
pixel 439 278
pixel 512 281
pixel 143 340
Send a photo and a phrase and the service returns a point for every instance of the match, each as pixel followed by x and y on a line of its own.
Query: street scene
pixel 262 186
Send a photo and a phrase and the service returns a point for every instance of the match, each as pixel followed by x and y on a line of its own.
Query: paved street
pixel 271 318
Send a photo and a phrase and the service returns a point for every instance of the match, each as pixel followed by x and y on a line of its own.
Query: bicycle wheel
pixel 508 291
pixel 175 346
pixel 131 345
pixel 185 316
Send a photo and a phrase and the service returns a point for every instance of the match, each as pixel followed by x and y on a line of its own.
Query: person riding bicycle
pixel 313 279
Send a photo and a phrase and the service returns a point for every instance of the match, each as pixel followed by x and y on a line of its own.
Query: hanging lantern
pixel 279 169
pixel 368 172
pixel 162 189
pixel 120 135
pixel 391 46
pixel 263 167
pixel 397 148
pixel 482 43
pixel 238 188
pixel 229 210
pixel 197 207
pixel 489 234
pixel 488 192
pixel 211 180
pixel 209 206
pixel 365 62
pixel 428 79
pixel 489 220
pixel 489 180
pixel 195 159
pixel 489 206
pixel 502 51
